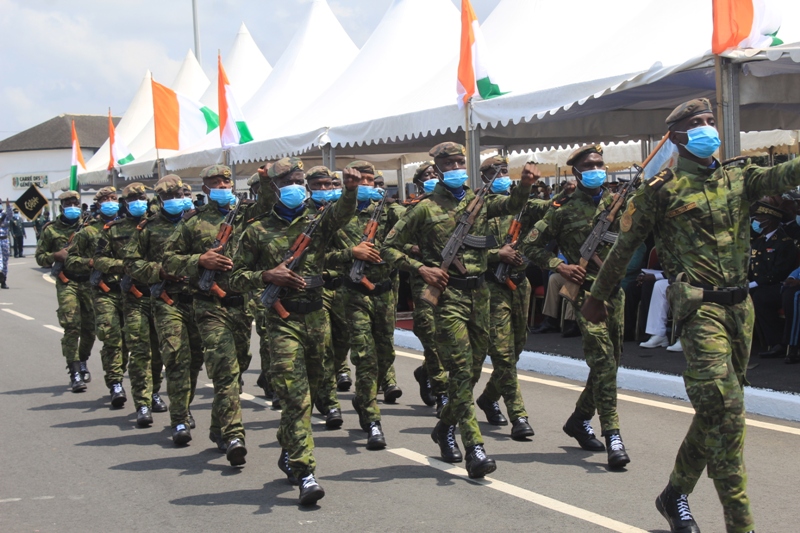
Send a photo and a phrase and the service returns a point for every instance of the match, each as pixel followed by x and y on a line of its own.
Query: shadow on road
pixel 395 472
pixel 277 493
pixel 55 390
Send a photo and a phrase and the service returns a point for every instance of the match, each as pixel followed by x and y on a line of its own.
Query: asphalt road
pixel 73 464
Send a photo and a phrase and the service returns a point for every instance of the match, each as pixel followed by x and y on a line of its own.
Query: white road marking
pixel 54 328
pixel 11 500
pixel 48 278
pixel 19 263
pixel 44 498
pixel 6 303
pixel 524 494
pixel 628 398
pixel 20 315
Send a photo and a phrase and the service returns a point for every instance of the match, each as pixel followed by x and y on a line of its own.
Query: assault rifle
pixel 459 237
pixel 512 238
pixel 207 282
pixel 96 277
pixel 271 296
pixel 359 265
pixel 157 291
pixel 57 269
pixel 126 285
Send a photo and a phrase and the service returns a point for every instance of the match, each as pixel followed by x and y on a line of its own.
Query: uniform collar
pixel 696 169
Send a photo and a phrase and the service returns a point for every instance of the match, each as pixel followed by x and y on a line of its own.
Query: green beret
pixel 765 209
pixel 362 166
pixel 169 183
pixel 253 180
pixel 421 170
pixel 134 189
pixel 319 171
pixel 285 166
pixel 494 160
pixel 578 154
pixel 688 109
pixel 446 149
pixel 69 194
pixel 102 193
pixel 214 171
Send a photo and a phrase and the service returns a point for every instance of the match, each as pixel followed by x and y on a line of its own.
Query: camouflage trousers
pixel 425 330
pixel 76 316
pixel 145 365
pixel 225 334
pixel 109 321
pixel 462 340
pixel 297 346
pixel 332 362
pixel 602 348
pixel 716 343
pixel 508 331
pixel 182 352
pixel 372 320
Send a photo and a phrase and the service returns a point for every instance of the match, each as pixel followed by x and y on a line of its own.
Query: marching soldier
pixel 297 339
pixel 75 308
pixel 109 318
pixel 698 212
pixel 462 313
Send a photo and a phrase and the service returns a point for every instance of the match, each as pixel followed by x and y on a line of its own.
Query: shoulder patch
pixel 560 200
pixel 658 181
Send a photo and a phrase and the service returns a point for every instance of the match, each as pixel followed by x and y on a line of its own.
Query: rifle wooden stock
pixel 431 295
pixel 510 284
pixel 136 292
pixel 571 290
pixel 103 286
pixel 63 277
pixel 217 291
pixel 167 300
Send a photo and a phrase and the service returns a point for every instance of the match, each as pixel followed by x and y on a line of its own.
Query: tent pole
pixel 401 181
pixel 727 77
pixel 473 142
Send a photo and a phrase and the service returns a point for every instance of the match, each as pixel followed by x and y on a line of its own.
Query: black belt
pixel 720 295
pixel 467 283
pixel 185 298
pixel 232 300
pixel 78 278
pixel 302 308
pixel 380 288
pixel 333 283
pixel 516 278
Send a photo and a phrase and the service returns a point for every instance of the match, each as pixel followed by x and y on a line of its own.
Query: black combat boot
pixel 3 281
pixel 283 464
pixel 445 437
pixel 310 491
pixel 333 420
pixel 617 456
pixel 376 439
pixel 219 442
pixel 425 393
pixel 521 429
pixel 158 405
pixel 235 452
pixel 181 435
pixel 492 410
pixel 190 420
pixel 85 374
pixel 675 508
pixel 391 393
pixel 478 465
pixel 581 430
pixel 343 382
pixel 441 401
pixel 144 419
pixel 75 379
pixel 363 421
pixel 118 396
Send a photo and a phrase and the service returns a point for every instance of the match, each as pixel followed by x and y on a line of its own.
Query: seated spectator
pixel 791 309
pixel 773 257
pixel 551 310
pixel 657 317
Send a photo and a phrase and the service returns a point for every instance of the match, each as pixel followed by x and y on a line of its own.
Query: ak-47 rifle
pixel 157 291
pixel 57 269
pixel 599 234
pixel 271 296
pixel 459 236
pixel 357 270
pixel 207 282
pixel 126 285
pixel 512 239
pixel 96 277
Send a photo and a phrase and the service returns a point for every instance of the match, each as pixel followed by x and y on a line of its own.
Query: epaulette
pixel 190 214
pixel 658 181
pixel 145 221
pixel 735 161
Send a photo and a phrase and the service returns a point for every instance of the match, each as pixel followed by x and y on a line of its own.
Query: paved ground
pixel 73 464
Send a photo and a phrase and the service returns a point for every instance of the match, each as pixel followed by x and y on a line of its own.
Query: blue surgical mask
pixel 455 179
pixel 336 194
pixel 756 225
pixel 188 205
pixel 429 185
pixel 377 194
pixel 321 196
pixel 703 141
pixel 364 193
pixel 71 213
pixel 137 208
pixel 109 208
pixel 293 195
pixel 223 197
pixel 592 179
pixel 501 184
pixel 174 206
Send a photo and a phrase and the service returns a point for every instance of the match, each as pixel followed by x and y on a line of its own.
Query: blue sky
pixel 82 56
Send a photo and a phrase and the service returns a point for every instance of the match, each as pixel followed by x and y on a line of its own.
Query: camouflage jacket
pixel 570 225
pixel 54 237
pixel 264 244
pixel 84 245
pixel 145 251
pixel 533 212
pixel 117 233
pixel 700 219
pixel 350 236
pixel 433 220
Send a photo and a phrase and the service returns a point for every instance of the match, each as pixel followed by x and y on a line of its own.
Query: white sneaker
pixel 675 347
pixel 656 341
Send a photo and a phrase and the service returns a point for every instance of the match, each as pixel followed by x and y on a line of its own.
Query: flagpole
pixel 472 141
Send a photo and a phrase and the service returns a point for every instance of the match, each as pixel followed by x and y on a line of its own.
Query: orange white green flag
pixel 473 64
pixel 180 121
pixel 120 155
pixel 233 129
pixel 78 164
pixel 744 24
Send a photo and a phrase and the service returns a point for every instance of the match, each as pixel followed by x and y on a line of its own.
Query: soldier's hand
pixel 282 276
pixel 509 255
pixel 366 251
pixel 573 273
pixel 60 255
pixel 214 260
pixel 594 310
pixel 350 178
pixel 530 175
pixel 162 274
pixel 434 276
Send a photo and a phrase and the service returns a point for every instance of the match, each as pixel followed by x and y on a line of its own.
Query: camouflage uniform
pixel 425 330
pixel 702 229
pixel 75 308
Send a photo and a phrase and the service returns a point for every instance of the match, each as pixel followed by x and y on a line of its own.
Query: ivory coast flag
pixel 473 69
pixel 232 127
pixel 180 121
pixel 744 24
pixel 78 164
pixel 120 155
